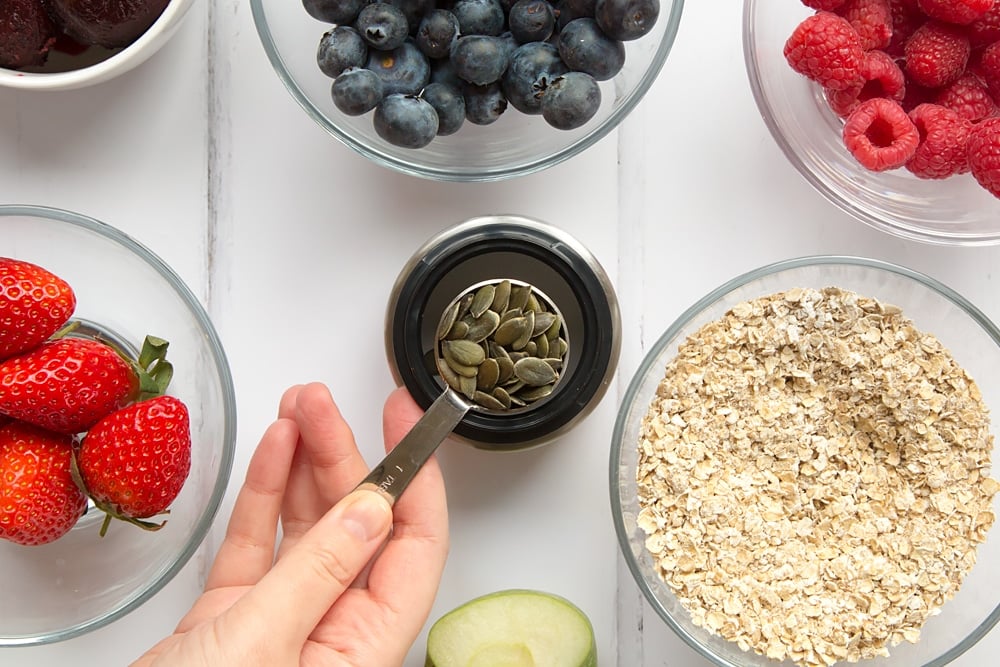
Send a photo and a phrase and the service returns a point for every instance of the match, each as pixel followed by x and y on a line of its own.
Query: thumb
pixel 298 591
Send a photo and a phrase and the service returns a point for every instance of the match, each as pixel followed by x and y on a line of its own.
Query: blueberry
pixel 584 47
pixel 339 48
pixel 449 105
pixel 532 66
pixel 382 26
pixel 581 7
pixel 531 20
pixel 357 91
pixel 405 120
pixel 566 13
pixel 413 9
pixel 479 59
pixel 483 104
pixel 403 70
pixel 443 71
pixel 437 32
pixel 626 19
pixel 479 17
pixel 571 100
pixel 334 11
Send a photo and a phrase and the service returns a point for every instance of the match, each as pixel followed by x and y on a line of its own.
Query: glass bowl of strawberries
pixel 117 424
pixel 887 107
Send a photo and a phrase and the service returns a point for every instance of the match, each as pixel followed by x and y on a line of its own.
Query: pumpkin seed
pixel 464 352
pixel 535 393
pixel 543 321
pixel 459 329
pixel 519 296
pixel 510 331
pixel 501 296
pixel 482 300
pixel 447 321
pixel 525 331
pixel 534 372
pixel 489 374
pixel 501 395
pixel 488 401
pixel 483 326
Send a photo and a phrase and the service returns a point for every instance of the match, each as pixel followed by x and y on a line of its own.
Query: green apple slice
pixel 513 628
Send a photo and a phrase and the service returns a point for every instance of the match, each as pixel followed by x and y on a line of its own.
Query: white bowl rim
pixel 228 445
pixel 129 57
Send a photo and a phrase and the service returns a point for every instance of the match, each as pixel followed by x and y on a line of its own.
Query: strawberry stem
pixel 152 368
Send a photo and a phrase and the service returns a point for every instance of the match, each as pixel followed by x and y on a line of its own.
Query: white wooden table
pixel 293 242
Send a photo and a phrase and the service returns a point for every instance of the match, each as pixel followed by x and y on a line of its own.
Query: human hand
pixel 300 604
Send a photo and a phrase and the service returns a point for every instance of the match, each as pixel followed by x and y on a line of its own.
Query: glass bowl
pixel 67 70
pixel 934 308
pixel 953 211
pixel 82 581
pixel 514 145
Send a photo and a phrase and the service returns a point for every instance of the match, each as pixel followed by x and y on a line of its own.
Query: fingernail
pixel 366 516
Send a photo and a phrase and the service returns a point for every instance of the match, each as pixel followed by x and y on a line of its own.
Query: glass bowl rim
pixel 885 224
pixel 655 353
pixel 414 168
pixel 228 448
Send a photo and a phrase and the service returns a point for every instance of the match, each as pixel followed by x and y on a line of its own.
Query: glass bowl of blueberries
pixel 467 90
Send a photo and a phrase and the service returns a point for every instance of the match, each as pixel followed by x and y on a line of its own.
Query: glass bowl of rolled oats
pixel 801 469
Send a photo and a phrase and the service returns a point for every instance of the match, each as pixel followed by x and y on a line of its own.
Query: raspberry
pixel 961 12
pixel 968 96
pixel 936 54
pixel 989 68
pixel 944 138
pixel 882 78
pixel 823 5
pixel 880 135
pixel 906 18
pixel 872 19
pixel 986 29
pixel 826 49
pixel 984 154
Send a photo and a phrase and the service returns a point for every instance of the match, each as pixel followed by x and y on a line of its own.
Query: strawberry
pixel 39 501
pixel 66 385
pixel 34 304
pixel 134 462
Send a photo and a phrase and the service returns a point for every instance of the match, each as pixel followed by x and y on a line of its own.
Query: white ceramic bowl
pixel 82 581
pixel 934 308
pixel 514 145
pixel 94 65
pixel 953 211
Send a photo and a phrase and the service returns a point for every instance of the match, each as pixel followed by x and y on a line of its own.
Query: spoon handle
pixel 397 469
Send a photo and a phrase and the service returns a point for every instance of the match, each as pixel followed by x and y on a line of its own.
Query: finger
pixel 336 462
pixel 290 600
pixel 326 466
pixel 247 551
pixel 286 406
pixel 407 573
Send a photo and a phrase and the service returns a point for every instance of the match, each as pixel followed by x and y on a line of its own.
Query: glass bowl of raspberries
pixel 888 107
pixel 66 44
pixel 117 424
pixel 467 90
